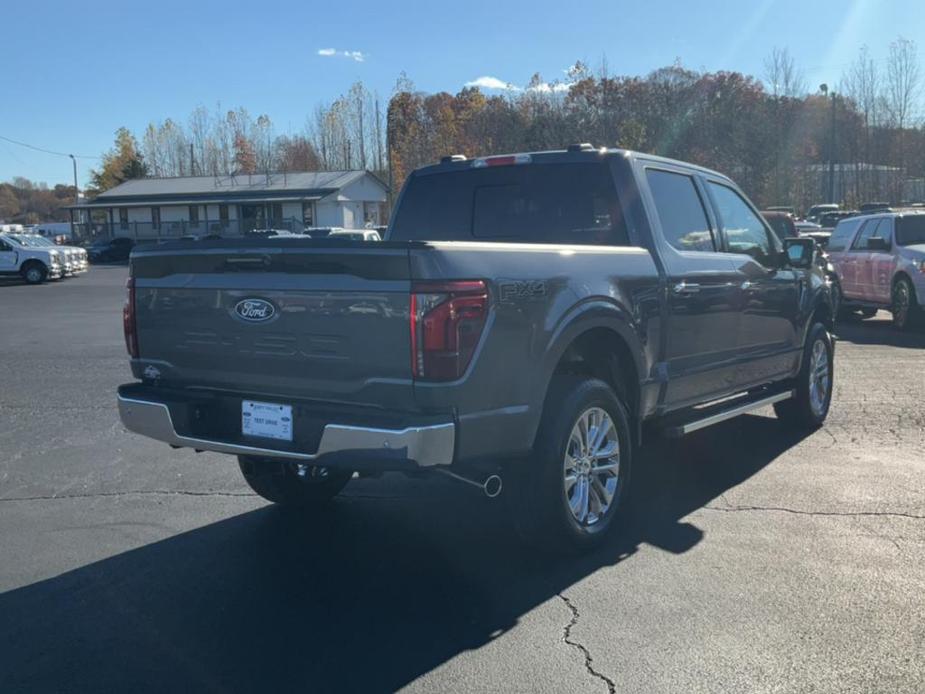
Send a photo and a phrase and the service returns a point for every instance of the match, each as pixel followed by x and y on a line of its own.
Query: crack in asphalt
pixel 589 661
pixel 802 512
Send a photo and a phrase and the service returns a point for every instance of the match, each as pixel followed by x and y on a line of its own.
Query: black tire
pixel 540 502
pixel 835 289
pixel 905 306
pixel 282 483
pixel 804 410
pixel 34 272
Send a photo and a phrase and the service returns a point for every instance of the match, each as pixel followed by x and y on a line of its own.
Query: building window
pixel 194 215
pixel 277 212
pixel 223 215
pixel 308 214
pixel 155 217
pixel 123 217
pixel 371 214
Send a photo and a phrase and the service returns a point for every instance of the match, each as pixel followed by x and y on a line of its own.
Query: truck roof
pixel 575 153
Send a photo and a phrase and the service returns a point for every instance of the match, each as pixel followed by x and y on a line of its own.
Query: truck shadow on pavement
pixel 374 594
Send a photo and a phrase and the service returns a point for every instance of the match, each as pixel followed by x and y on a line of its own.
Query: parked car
pixel 528 315
pixel 868 207
pixel 880 263
pixel 267 233
pixel 804 226
pixel 817 211
pixel 74 258
pixel 110 250
pixel 784 227
pixel 34 264
pixel 782 208
pixel 321 232
pixel 355 235
pixel 781 223
pixel 828 220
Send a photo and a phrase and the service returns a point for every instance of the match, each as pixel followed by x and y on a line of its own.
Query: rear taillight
pixel 128 319
pixel 447 319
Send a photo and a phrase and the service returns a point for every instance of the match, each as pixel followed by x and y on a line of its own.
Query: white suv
pixel 34 263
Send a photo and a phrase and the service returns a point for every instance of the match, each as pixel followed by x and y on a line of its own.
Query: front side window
pixel 910 231
pixel 680 211
pixel 745 233
pixel 860 243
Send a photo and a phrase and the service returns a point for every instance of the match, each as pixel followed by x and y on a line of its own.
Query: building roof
pixel 306 185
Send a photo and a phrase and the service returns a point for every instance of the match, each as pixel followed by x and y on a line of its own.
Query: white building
pixel 153 207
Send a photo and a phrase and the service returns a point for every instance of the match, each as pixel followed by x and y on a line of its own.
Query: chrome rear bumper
pixel 424 445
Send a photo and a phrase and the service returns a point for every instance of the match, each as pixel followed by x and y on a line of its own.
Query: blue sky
pixel 74 72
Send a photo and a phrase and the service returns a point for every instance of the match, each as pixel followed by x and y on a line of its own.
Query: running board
pixel 678 430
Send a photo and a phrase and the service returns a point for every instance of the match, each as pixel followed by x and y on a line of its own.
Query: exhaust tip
pixel 492 486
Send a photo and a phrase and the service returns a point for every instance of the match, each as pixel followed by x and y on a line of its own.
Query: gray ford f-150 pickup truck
pixel 530 317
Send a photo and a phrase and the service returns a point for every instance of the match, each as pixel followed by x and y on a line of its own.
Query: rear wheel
pixel 905 307
pixel 809 406
pixel 34 273
pixel 292 484
pixel 571 491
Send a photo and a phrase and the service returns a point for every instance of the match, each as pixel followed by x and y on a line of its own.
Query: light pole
pixel 76 194
pixel 824 88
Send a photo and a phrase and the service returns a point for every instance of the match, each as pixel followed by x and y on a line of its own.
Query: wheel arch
pixel 600 342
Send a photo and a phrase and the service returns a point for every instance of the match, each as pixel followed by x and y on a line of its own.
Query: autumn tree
pixel 119 164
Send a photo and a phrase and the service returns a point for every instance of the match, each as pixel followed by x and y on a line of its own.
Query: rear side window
pixel 528 203
pixel 680 211
pixel 841 235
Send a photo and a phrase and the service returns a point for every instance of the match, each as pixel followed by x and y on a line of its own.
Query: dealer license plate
pixel 266 419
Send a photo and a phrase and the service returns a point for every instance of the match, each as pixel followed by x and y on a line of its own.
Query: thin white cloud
pixel 547 88
pixel 358 56
pixel 487 82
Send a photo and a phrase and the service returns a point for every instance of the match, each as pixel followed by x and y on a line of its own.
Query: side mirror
pixel 800 252
pixel 877 243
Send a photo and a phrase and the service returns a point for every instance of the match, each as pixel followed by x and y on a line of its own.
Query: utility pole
pixel 832 153
pixel 76 195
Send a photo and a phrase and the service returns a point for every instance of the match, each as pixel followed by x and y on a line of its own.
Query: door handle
pixel 748 286
pixel 686 288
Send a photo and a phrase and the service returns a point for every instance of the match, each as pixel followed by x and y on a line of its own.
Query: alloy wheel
pixel 819 378
pixel 591 469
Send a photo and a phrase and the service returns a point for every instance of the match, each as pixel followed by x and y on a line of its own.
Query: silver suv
pixel 879 262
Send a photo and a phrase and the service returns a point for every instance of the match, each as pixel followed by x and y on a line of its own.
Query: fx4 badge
pixel 514 291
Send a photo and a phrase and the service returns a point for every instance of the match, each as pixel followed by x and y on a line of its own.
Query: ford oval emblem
pixel 254 310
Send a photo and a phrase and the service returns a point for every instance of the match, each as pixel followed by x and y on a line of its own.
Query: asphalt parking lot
pixel 754 559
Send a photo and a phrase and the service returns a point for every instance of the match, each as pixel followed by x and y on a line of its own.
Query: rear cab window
pixel 563 203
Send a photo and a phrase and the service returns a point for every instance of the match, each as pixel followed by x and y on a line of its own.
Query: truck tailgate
pixel 311 319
